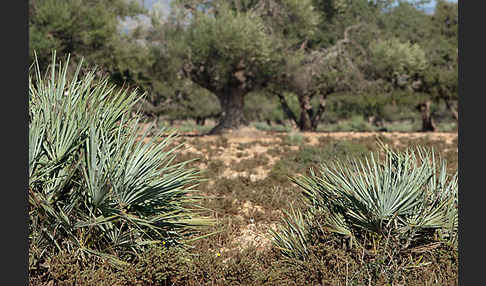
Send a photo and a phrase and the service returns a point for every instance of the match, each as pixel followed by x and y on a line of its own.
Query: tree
pixel 318 72
pixel 331 60
pixel 403 65
pixel 237 47
pixel 88 29
pixel 441 79
pixel 437 36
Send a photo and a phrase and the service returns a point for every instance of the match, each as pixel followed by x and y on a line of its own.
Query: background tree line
pixel 301 62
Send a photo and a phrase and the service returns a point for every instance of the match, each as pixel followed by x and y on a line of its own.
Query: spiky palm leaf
pixel 405 194
pixel 96 185
pixel 292 237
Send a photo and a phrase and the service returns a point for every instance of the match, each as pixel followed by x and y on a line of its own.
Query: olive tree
pixel 332 60
pixel 441 78
pixel 317 72
pixel 88 29
pixel 436 35
pixel 237 47
pixel 352 52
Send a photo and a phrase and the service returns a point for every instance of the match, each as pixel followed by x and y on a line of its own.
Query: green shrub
pixel 404 126
pixel 66 269
pixel 97 186
pixel 307 156
pixel 188 126
pixel 400 204
pixel 155 266
pixel 329 263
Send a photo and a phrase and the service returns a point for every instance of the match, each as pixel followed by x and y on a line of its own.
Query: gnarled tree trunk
pixel 428 123
pixel 286 108
pixel 320 111
pixel 308 120
pixel 232 117
pixel 305 122
pixel 200 120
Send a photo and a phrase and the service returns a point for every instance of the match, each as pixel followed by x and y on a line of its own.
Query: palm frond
pixel 404 194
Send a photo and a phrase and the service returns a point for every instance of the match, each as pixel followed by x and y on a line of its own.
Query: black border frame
pixel 470 205
pixel 14 23
pixel 15 81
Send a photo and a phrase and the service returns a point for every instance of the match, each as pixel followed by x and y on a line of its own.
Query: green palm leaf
pixel 95 185
pixel 404 194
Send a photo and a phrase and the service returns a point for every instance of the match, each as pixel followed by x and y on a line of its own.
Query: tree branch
pixel 449 106
pixel 286 107
pixel 148 108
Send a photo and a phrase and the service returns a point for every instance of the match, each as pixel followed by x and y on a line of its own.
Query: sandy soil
pixel 262 141
pixel 258 143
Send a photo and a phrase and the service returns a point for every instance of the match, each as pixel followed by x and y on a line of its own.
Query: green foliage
pixel 307 157
pixel 406 195
pixel 196 103
pixel 337 15
pixel 96 184
pixel 395 106
pixel 357 123
pixel 293 20
pixel 262 107
pixel 437 36
pixel 292 237
pixel 394 59
pixel 441 79
pixel 82 28
pixel 293 138
pixel 220 43
pixel 407 23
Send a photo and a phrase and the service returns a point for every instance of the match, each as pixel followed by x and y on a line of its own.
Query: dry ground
pixel 245 160
pixel 257 142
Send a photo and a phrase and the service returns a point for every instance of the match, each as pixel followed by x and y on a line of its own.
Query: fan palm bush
pixel 405 197
pixel 97 184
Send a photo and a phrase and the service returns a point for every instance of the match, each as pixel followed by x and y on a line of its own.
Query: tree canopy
pixel 203 58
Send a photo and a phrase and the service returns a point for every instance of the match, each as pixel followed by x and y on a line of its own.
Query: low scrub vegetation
pixel 388 212
pixel 96 185
pixel 111 205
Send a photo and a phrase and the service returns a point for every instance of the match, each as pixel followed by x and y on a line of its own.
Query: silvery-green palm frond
pixel 95 184
pixel 404 194
pixel 291 239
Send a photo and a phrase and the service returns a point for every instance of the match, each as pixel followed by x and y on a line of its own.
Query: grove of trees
pixel 238 61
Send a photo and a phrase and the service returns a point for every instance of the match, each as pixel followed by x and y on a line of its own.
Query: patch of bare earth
pixel 229 155
pixel 262 141
pixel 254 234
